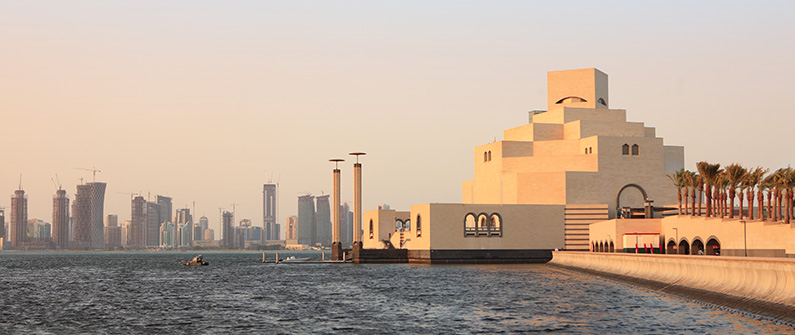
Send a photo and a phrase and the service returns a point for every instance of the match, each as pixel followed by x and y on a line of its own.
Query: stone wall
pixel 761 285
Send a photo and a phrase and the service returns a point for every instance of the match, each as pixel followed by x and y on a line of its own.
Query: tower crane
pixel 93 169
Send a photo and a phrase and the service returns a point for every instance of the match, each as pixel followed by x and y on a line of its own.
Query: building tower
pixel 2 227
pixel 323 221
pixel 227 224
pixel 81 211
pixel 136 237
pixel 292 222
pixel 305 231
pixel 269 215
pixel 184 222
pixel 165 208
pixel 60 220
pixel 19 218
pixel 112 231
pixel 97 214
pixel 152 224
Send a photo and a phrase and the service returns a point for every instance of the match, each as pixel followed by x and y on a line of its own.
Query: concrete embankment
pixel 764 286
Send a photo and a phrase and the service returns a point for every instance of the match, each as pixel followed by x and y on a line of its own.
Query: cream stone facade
pixel 541 186
pixel 578 152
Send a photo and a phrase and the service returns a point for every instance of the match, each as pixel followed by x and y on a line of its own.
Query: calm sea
pixel 152 293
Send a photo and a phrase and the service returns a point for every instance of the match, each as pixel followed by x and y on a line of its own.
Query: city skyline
pixel 221 99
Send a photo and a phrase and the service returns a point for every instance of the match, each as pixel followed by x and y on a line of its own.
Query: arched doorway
pixel 601 247
pixel 618 195
pixel 713 247
pixel 612 247
pixel 671 248
pixel 684 248
pixel 697 248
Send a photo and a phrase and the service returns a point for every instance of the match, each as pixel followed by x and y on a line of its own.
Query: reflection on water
pixel 153 293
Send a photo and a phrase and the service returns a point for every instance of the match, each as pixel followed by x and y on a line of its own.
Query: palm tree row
pixel 721 186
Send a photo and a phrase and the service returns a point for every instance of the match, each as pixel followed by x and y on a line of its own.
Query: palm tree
pixel 763 185
pixel 688 178
pixel 701 194
pixel 770 181
pixel 709 174
pixel 753 179
pixel 788 184
pixel 695 182
pixel 777 182
pixel 734 175
pixel 678 179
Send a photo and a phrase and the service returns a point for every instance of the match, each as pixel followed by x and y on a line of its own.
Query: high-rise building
pixel 97 214
pixel 19 218
pixel 292 223
pixel 184 222
pixel 153 222
pixel 126 231
pixel 269 208
pixel 305 230
pixel 135 237
pixel 204 222
pixel 167 235
pixel 81 214
pixel 165 208
pixel 60 220
pixel 2 227
pixel 346 224
pixel 112 231
pixel 199 228
pixel 209 235
pixel 323 221
pixel 228 230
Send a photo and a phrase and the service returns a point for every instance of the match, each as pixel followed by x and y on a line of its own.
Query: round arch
pixel 618 195
pixel 612 247
pixel 697 248
pixel 670 247
pixel 684 247
pixel 713 246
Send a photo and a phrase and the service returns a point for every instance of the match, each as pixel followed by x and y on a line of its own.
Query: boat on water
pixel 196 261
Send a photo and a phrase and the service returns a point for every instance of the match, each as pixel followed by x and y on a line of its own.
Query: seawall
pixel 764 286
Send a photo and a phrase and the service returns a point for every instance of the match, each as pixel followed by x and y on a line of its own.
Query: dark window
pixel 489 155
pixel 482 224
pixel 635 150
pixel 602 101
pixel 398 225
pixel 407 225
pixel 419 226
pixel 625 149
pixel 371 228
pixel 485 156
pixel 590 150
pixel 495 225
pixel 586 151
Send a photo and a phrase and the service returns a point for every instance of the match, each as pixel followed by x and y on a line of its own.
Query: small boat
pixel 292 259
pixel 196 261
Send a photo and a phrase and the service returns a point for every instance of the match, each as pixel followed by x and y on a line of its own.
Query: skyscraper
pixel 228 228
pixel 135 236
pixel 305 231
pixel 292 222
pixel 269 217
pixel 81 212
pixel 97 214
pixel 184 222
pixel 112 231
pixel 2 227
pixel 323 221
pixel 60 220
pixel 19 218
pixel 165 208
pixel 153 221
pixel 346 224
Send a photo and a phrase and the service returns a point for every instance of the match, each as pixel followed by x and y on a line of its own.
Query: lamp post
pixel 357 202
pixel 745 237
pixel 336 240
pixel 676 242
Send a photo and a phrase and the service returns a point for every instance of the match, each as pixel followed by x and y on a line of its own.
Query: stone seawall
pixel 763 286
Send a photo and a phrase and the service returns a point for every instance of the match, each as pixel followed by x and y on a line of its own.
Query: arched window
pixel 371 228
pixel 398 225
pixel 483 224
pixel 635 150
pixel 495 226
pixel 590 150
pixel 489 155
pixel 419 226
pixel 470 225
pixel 407 225
pixel 485 156
pixel 586 151
pixel 571 99
pixel 602 101
pixel 625 149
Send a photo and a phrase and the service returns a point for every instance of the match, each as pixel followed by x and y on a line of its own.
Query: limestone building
pixel 542 185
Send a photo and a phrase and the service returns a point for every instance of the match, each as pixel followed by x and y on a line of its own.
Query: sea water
pixel 152 293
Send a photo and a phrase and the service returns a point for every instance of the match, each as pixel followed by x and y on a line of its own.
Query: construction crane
pixel 93 169
pixel 58 186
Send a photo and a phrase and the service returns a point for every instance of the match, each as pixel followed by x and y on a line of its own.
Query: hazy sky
pixel 206 100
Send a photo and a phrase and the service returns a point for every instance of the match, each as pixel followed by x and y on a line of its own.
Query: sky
pixel 204 101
